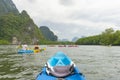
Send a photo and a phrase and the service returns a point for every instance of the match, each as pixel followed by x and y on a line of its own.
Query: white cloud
pixel 69 18
pixel 66 2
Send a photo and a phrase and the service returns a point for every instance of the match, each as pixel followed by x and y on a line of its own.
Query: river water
pixel 95 62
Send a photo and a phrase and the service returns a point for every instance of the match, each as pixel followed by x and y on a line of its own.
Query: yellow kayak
pixel 39 50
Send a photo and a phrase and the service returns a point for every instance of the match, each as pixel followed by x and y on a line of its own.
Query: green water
pixel 95 62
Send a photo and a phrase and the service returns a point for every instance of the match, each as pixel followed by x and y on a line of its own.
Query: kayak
pixel 25 51
pixel 36 50
pixel 60 67
pixel 39 50
pixel 76 76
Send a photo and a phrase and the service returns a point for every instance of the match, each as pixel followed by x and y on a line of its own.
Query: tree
pixel 107 37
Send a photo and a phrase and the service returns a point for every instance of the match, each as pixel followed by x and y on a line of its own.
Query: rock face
pixel 14 40
pixel 48 34
pixel 18 25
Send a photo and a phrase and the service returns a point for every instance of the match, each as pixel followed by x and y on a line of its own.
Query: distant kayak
pixel 39 50
pixel 30 51
pixel 36 50
pixel 61 45
pixel 25 51
pixel 72 45
pixel 60 67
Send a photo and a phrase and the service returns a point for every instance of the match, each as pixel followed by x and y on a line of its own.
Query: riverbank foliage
pixel 4 42
pixel 108 37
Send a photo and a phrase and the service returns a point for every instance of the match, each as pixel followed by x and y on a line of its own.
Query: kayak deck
pixel 75 76
pixel 60 66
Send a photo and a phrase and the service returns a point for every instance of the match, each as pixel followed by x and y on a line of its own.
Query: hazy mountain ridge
pixel 48 34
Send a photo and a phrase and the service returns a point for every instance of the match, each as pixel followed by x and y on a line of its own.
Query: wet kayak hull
pixel 75 76
pixel 25 51
pixel 60 66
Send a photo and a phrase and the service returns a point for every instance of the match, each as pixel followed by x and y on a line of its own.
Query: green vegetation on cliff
pixel 17 27
pixel 20 26
pixel 7 6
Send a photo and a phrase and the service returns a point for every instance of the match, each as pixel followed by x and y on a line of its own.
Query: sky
pixel 73 18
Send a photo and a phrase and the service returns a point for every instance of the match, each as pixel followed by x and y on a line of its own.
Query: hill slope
pixel 15 25
pixel 48 34
pixel 7 6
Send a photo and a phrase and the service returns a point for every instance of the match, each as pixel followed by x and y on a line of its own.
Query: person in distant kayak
pixel 24 47
pixel 36 47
